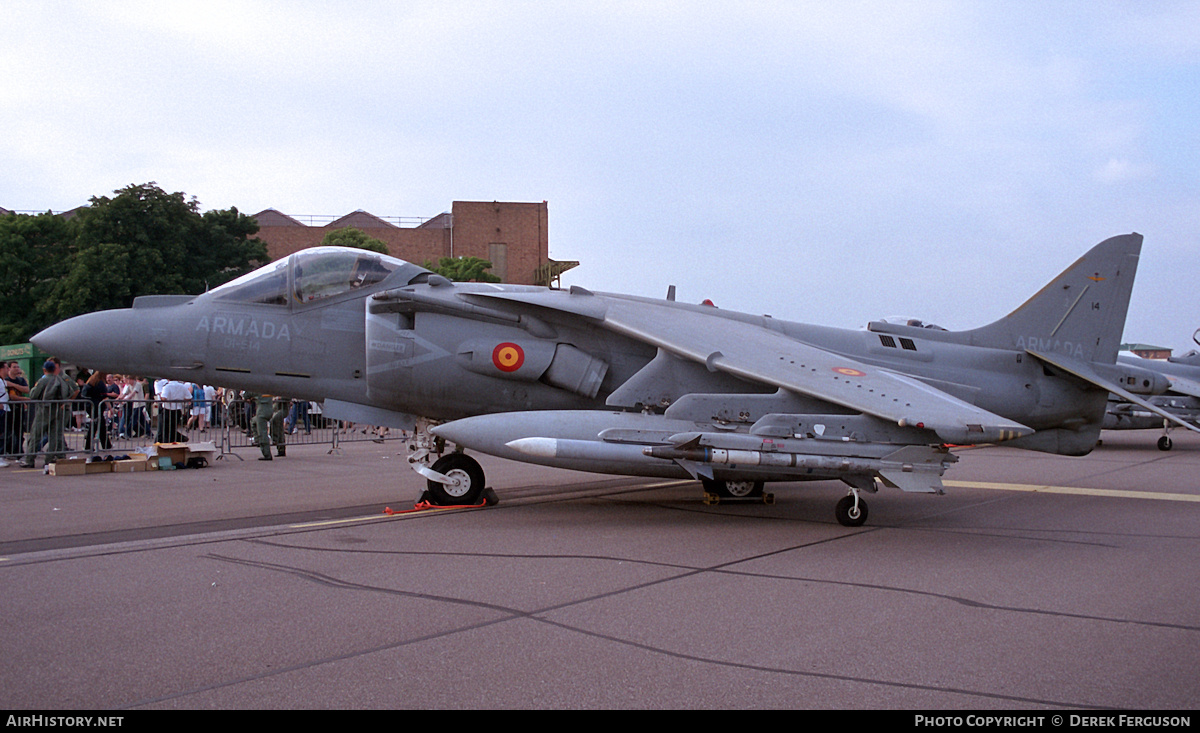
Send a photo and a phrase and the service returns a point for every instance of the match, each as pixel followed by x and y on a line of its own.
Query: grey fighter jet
pixel 639 386
pixel 1181 401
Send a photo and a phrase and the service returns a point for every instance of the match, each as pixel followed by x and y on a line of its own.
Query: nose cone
pixel 95 340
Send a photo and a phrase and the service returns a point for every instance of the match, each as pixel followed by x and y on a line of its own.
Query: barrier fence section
pixel 123 426
pixel 50 427
pixel 304 423
pixel 295 419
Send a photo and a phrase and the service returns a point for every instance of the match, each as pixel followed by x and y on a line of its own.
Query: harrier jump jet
pixel 1181 403
pixel 638 386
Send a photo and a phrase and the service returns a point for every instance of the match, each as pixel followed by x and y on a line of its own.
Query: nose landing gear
pixel 454 479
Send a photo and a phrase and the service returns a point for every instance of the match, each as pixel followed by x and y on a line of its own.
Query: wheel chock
pixel 423 504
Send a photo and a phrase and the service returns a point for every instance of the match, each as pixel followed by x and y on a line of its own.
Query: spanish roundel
pixel 508 357
pixel 849 372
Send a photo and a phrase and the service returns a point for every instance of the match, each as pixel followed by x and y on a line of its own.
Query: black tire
pixel 733 489
pixel 459 466
pixel 1164 443
pixel 845 508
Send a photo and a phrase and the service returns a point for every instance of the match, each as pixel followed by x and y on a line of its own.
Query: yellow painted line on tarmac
pixel 1113 493
pixel 431 510
pixel 377 517
pixel 329 522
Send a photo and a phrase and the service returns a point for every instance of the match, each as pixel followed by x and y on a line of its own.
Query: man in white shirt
pixel 175 396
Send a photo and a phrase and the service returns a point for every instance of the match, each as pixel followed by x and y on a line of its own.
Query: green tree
pixel 145 241
pixel 351 237
pixel 35 253
pixel 464 269
pixel 228 249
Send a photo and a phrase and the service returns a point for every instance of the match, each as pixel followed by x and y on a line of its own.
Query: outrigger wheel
pixel 468 480
pixel 1164 443
pixel 848 513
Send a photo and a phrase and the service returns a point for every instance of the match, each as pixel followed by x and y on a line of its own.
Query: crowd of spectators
pixel 106 407
pixel 98 405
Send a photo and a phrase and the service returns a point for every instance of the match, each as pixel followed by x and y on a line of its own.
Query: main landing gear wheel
pixel 1164 443
pixel 733 489
pixel 849 515
pixel 468 480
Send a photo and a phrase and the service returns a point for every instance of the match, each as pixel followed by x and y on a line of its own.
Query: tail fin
pixel 1080 314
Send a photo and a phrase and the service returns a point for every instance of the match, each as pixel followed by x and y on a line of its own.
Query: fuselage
pixel 630 385
pixel 431 353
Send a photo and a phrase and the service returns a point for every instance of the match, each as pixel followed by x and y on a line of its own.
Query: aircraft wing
pixel 759 354
pixel 1085 372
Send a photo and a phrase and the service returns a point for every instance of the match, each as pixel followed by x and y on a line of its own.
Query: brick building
pixel 512 236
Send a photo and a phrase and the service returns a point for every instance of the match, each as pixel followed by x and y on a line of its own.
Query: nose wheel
pixel 851 511
pixel 466 480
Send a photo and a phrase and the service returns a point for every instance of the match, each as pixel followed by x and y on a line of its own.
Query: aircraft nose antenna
pixel 97 340
pixel 56 338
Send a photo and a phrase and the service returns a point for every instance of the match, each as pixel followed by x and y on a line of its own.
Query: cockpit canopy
pixel 1192 357
pixel 908 321
pixel 317 274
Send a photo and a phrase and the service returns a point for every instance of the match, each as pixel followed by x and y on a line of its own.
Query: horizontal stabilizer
pixel 1182 385
pixel 1085 372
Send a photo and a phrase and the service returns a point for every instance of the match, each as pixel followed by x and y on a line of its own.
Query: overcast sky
pixel 822 162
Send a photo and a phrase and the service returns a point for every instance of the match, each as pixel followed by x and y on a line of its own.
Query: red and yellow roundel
pixel 849 372
pixel 508 357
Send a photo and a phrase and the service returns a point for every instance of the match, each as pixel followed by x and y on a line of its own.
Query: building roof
pixel 441 221
pixel 1148 351
pixel 1144 347
pixel 359 219
pixel 273 218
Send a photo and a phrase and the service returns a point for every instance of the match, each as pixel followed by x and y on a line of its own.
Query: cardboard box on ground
pixel 160 456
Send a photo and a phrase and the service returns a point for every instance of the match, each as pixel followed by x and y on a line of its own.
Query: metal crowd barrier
pixel 123 426
pixel 304 424
pixel 54 421
pixel 300 425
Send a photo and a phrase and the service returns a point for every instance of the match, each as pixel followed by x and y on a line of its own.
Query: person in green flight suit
pixel 268 425
pixel 48 419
